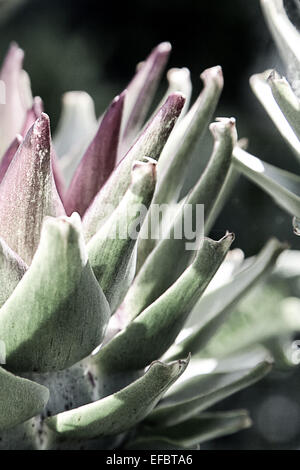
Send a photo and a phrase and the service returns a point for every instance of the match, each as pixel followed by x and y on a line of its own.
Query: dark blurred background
pixel 95 45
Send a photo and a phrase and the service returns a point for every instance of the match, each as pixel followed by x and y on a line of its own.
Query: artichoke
pixel 106 331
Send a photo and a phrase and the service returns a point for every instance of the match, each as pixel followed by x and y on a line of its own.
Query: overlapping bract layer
pixel 68 287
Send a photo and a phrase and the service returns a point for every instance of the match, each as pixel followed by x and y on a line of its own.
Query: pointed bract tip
pixel 228 239
pixel 185 362
pixel 175 367
pixel 38 105
pixel 220 125
pixel 178 75
pixel 76 98
pixel 119 98
pixel 123 94
pixel 181 364
pixel 42 124
pixel 44 117
pixel 67 227
pixel 272 75
pixel 227 121
pixel 223 125
pixel 259 77
pixel 296 226
pixel 163 47
pixel 275 78
pixel 13 45
pixel 75 219
pixel 223 243
pixel 15 49
pixel 148 160
pixel 40 133
pixel 141 168
pixel 13 59
pixel 19 138
pixel 213 73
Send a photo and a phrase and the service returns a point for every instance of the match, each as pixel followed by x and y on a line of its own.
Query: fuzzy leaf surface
pixel 152 333
pixel 170 257
pixel 111 250
pixel 119 412
pixel 213 309
pixel 20 399
pixel 194 395
pixel 149 144
pixel 98 161
pixel 28 192
pixel 57 314
pixel 140 92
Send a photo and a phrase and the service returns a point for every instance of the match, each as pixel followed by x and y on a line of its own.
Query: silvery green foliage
pixel 108 339
pixel 280 98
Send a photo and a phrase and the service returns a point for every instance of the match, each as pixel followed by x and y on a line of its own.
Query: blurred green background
pixel 95 45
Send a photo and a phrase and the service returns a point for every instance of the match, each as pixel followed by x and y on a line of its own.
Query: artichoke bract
pixel 107 309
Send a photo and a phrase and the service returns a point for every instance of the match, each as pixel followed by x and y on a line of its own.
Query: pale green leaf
pixel 176 155
pixel 154 330
pixel 121 411
pixel 170 257
pixel 225 192
pixel 57 314
pixel 177 152
pixel 221 199
pixel 213 309
pixel 196 430
pixel 260 85
pixel 264 314
pixel 111 249
pixel 296 226
pixel 12 269
pixel 282 186
pixel 20 399
pixel 285 34
pixel 194 395
pixel 286 100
